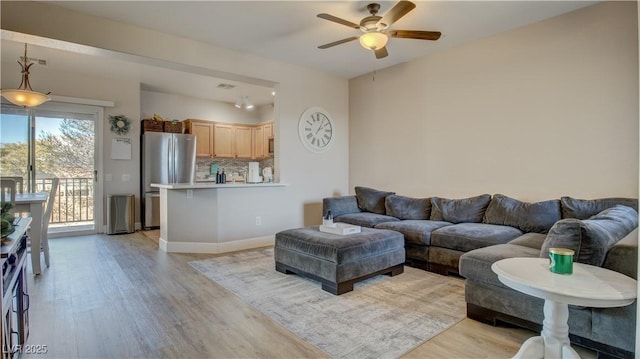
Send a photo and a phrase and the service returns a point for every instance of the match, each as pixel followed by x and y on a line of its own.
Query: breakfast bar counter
pixel 207 184
pixel 206 217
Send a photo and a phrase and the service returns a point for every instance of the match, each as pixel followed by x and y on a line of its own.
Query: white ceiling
pixel 288 31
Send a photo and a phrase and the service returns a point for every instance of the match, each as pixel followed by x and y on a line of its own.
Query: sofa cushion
pixel 459 210
pixel 591 238
pixel 415 231
pixel 623 256
pixel 531 240
pixel 371 200
pixel 469 236
pixel 407 208
pixel 364 219
pixel 476 265
pixel 585 208
pixel 340 205
pixel 528 217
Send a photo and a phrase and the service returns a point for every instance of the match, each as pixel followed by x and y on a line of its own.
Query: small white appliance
pixel 267 174
pixel 253 175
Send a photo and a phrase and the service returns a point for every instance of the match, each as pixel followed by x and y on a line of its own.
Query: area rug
pixel 383 317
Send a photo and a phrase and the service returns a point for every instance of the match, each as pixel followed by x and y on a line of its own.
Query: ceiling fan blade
pixel 411 34
pixel 331 44
pixel 381 53
pixel 339 20
pixel 399 10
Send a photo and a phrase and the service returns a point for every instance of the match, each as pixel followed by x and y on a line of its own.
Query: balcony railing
pixel 74 199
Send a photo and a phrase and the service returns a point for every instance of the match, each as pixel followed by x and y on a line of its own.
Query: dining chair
pixel 8 187
pixel 19 183
pixel 46 218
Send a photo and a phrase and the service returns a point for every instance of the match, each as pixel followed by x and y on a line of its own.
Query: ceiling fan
pixel 376 31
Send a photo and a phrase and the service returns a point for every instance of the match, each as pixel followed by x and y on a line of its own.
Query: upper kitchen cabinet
pixel 204 131
pixel 231 141
pixel 243 144
pixel 262 134
pixel 223 141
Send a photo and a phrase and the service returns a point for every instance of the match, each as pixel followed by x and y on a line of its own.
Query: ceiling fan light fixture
pixel 373 40
pixel 24 95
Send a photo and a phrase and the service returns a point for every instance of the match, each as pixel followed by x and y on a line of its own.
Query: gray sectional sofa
pixel 465 236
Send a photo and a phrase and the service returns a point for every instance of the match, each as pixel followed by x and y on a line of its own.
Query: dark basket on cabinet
pixel 173 127
pixel 149 125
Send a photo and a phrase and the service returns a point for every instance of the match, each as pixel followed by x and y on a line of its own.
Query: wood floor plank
pixel 121 297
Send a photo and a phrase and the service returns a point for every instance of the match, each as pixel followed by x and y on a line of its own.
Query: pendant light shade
pixel 24 95
pixel 373 40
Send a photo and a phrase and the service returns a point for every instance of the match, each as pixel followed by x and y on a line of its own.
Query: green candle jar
pixel 561 260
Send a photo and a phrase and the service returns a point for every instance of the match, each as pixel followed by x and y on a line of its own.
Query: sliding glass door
pixel 56 140
pixel 14 143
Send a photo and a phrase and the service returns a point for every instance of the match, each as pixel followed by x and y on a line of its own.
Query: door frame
pixel 98 188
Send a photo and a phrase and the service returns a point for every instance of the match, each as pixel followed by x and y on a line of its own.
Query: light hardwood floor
pixel 120 296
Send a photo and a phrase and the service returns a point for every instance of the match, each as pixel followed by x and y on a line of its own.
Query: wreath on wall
pixel 120 124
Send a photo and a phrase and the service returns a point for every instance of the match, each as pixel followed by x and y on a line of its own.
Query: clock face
pixel 316 129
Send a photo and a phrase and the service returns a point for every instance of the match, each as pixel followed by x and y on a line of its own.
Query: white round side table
pixel 588 286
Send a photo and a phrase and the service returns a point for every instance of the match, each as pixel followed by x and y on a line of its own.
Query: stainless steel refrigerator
pixel 166 158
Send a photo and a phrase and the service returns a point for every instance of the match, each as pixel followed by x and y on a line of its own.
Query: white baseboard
pixel 215 248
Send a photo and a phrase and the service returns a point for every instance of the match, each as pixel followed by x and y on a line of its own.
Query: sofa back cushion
pixel 465 210
pixel 585 208
pixel 528 217
pixel 340 205
pixel 591 238
pixel 371 200
pixel 408 208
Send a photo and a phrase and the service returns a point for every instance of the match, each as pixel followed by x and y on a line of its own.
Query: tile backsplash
pixel 230 165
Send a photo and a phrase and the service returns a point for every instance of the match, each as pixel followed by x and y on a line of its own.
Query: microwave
pixel 270 145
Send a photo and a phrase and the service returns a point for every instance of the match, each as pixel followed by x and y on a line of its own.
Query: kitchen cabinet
pixel 243 141
pixel 223 141
pixel 204 136
pixel 261 135
pixel 258 142
pixel 268 135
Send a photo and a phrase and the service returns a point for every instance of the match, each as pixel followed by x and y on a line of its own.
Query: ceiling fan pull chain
pixel 374 71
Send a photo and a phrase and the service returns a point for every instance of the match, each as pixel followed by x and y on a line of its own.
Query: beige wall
pixel 310 176
pixel 546 110
pixel 124 93
pixel 171 106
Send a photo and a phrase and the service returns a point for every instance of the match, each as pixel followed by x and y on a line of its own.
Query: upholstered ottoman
pixel 339 261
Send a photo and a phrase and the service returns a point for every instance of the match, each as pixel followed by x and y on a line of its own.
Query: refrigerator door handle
pixel 172 165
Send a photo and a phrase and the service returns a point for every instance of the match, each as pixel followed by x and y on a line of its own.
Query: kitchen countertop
pixel 202 185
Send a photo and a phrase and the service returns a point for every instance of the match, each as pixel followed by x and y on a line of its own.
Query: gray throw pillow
pixel 371 200
pixel 465 210
pixel 529 217
pixel 585 208
pixel 591 239
pixel 408 208
pixel 340 205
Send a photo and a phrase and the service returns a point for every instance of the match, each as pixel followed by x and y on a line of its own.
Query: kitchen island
pixel 215 218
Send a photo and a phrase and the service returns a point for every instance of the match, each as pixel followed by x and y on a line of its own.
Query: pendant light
pixel 24 95
pixel 244 103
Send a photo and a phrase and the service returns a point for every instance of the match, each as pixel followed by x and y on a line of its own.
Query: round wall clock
pixel 120 124
pixel 316 130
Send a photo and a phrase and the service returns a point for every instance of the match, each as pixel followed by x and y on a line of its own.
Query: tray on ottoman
pixel 339 261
